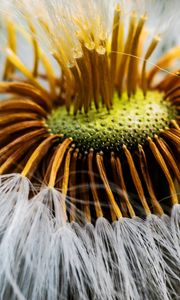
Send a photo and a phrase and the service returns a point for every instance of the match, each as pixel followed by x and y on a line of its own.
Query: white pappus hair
pixel 44 257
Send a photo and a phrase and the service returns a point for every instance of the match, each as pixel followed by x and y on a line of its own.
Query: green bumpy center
pixel 129 122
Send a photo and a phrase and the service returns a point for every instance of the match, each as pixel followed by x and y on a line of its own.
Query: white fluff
pixel 71 270
pixel 25 248
pixel 14 189
pixel 143 258
pixel 42 256
pixel 163 236
pixel 175 224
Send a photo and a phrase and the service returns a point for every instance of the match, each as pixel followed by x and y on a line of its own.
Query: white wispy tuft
pixel 14 189
pixel 42 256
pixel 175 223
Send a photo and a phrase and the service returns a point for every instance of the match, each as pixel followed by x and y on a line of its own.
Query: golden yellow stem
pixel 17 127
pixel 66 178
pixel 58 160
pixel 94 72
pixel 119 50
pixel 124 190
pixel 9 67
pixel 149 51
pixel 145 172
pixel 168 156
pixel 50 74
pixel 105 82
pixel 165 170
pixel 37 155
pixel 8 118
pixel 35 47
pixel 114 43
pixel 133 62
pixel 136 180
pixel 79 88
pixel 86 82
pixel 125 56
pixel 97 205
pixel 112 201
pixel 66 172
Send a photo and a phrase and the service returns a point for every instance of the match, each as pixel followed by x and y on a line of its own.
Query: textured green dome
pixel 129 122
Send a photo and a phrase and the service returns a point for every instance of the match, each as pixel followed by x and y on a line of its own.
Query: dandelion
pixel 89 154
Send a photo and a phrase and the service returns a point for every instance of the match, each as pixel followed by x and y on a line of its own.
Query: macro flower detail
pixel 89 155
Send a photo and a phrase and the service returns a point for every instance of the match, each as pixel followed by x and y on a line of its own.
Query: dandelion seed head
pixel 96 98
